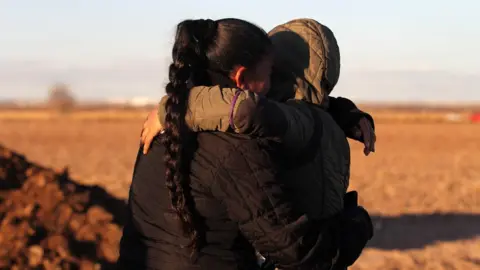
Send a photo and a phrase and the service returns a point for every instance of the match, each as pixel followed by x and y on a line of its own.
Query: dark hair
pixel 201 46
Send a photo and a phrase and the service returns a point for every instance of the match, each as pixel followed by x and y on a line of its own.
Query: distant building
pixel 133 102
pixel 142 101
pixel 475 117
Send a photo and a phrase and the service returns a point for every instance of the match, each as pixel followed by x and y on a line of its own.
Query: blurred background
pixel 77 79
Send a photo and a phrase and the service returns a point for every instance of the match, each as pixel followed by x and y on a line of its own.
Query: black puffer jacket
pixel 245 205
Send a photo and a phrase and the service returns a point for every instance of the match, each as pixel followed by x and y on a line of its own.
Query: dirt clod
pixel 35 256
pixel 50 222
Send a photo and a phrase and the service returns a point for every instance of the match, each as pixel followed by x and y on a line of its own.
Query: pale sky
pixel 391 50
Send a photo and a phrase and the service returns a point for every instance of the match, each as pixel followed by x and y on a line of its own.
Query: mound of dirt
pixel 47 221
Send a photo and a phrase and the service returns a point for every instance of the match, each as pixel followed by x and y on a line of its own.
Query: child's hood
pixel 310 51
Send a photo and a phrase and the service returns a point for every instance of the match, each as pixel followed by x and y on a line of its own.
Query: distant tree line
pixel 60 97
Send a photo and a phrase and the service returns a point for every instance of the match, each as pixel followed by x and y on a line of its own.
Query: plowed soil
pixel 422 186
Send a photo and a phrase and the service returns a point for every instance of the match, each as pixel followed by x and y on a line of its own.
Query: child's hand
pixel 368 134
pixel 151 128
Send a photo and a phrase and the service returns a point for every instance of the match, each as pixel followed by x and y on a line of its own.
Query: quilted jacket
pixel 246 201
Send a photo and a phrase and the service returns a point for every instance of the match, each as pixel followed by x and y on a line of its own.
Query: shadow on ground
pixel 417 231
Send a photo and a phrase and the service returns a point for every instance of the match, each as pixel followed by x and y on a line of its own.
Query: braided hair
pixel 200 46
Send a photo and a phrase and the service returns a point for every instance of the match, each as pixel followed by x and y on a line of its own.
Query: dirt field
pixel 422 186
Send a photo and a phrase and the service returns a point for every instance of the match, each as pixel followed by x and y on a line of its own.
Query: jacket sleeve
pixel 214 109
pixel 247 185
pixel 210 108
pixel 347 116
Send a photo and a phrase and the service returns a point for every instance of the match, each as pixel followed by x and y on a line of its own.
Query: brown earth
pixel 51 222
pixel 422 187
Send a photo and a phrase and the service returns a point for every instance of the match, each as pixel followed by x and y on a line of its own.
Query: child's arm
pixel 211 108
pixel 356 124
pixel 231 109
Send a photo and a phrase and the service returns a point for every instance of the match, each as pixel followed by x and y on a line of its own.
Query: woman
pixel 224 194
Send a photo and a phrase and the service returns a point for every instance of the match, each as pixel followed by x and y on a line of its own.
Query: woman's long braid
pixel 201 47
pixel 175 138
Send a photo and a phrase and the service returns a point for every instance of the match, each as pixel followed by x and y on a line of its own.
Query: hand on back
pixel 151 128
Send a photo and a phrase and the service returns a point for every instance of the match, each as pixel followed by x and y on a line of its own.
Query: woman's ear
pixel 239 77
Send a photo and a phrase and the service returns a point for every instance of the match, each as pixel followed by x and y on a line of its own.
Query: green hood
pixel 307 61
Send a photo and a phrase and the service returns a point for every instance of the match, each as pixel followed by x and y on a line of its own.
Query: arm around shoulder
pixel 347 115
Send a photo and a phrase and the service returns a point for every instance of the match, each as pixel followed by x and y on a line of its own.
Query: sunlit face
pixel 257 79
